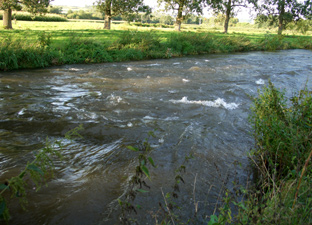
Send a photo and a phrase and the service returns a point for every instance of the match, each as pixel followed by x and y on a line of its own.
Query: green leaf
pixel 145 171
pixel 3 187
pixel 151 161
pixel 22 175
pixel 35 168
pixel 2 207
pixel 133 148
pixel 213 220
pixel 141 190
pixel 151 134
pixel 120 202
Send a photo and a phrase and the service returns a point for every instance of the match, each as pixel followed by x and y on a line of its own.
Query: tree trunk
pixel 227 16
pixel 179 18
pixel 108 15
pixel 281 19
pixel 7 19
pixel 107 22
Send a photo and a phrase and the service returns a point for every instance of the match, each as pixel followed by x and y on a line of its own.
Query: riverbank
pixel 38 44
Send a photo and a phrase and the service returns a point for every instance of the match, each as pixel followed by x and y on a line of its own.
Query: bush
pixel 281 192
pixel 283 135
pixel 283 130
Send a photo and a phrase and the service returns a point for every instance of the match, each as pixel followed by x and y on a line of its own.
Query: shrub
pixel 283 130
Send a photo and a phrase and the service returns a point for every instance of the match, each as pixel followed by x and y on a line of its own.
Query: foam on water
pixel 74 69
pixel 216 103
pixel 148 118
pixel 155 64
pixel 21 112
pixel 114 100
pixel 260 81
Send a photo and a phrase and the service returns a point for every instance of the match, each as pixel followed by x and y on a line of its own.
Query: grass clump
pixel 283 130
pixel 27 52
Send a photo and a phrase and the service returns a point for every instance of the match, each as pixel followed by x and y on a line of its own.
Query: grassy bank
pixel 42 44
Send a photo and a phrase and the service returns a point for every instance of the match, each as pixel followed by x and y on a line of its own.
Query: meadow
pixel 34 44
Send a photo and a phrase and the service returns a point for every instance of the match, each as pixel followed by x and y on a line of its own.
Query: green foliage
pixel 55 9
pixel 283 135
pixel 82 50
pixel 44 40
pixel 281 12
pixel 137 182
pixel 81 14
pixel 283 130
pixel 18 53
pixel 281 192
pixel 143 41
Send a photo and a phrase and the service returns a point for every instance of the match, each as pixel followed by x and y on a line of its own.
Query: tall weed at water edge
pixel 281 192
pixel 233 44
pixel 283 130
pixel 82 50
pixel 282 159
pixel 190 43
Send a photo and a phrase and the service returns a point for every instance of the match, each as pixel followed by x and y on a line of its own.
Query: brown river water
pixel 198 105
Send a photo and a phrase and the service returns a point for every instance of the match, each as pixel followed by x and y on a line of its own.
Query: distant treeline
pixel 154 18
pixel 25 16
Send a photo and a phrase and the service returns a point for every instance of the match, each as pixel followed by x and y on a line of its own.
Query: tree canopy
pixel 32 6
pixel 226 7
pixel 184 8
pixel 283 12
pixel 112 8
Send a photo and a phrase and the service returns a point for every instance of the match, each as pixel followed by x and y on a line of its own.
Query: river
pixel 195 105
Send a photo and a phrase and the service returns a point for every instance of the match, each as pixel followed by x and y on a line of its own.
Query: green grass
pixel 82 41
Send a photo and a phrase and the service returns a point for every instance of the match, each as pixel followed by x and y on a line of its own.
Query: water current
pixel 198 105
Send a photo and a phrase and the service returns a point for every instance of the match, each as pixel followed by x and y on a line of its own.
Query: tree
pixel 166 19
pixel 55 9
pixel 184 8
pixel 112 8
pixel 284 11
pixel 32 6
pixel 226 7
